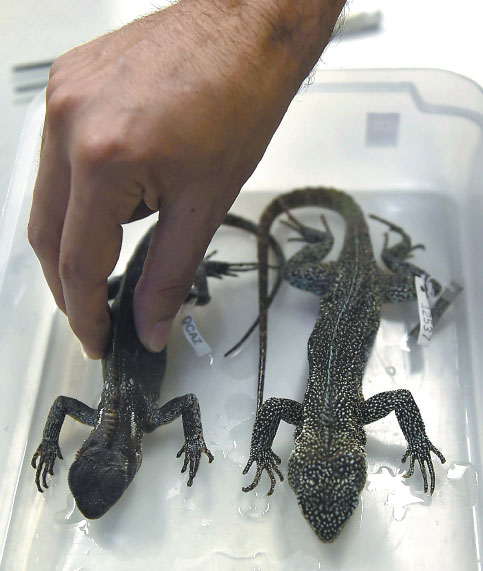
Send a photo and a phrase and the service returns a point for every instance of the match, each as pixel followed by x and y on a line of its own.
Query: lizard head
pixel 327 487
pixel 99 476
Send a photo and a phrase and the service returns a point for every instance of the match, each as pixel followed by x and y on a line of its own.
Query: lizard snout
pixel 97 479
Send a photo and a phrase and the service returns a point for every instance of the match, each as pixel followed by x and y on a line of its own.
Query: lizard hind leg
pixel 402 249
pixel 310 235
pixel 214 269
pixel 304 270
pixel 401 287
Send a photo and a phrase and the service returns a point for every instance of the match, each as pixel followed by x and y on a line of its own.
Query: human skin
pixel 171 113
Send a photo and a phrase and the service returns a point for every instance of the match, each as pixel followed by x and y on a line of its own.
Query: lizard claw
pixel 192 449
pixel 421 452
pixel 306 234
pixel 265 460
pixel 46 454
pixel 217 269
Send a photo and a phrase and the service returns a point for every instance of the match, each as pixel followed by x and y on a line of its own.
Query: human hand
pixel 172 114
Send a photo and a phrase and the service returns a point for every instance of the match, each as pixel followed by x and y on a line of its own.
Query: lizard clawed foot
pixel 390 224
pixel 406 246
pixel 307 234
pixel 199 295
pixel 216 269
pixel 192 449
pixel 265 460
pixel 421 451
pixel 46 454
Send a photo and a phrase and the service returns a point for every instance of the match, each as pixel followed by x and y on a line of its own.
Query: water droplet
pixel 464 478
pixel 174 491
pixel 254 508
pixel 399 495
pixel 457 471
pixel 84 527
pixel 188 505
pixel 391 371
pixel 69 515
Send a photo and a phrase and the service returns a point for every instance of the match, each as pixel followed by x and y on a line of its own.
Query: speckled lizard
pixel 327 467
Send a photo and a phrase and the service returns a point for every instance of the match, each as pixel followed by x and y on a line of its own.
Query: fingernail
pixel 96 352
pixel 156 340
pixel 90 354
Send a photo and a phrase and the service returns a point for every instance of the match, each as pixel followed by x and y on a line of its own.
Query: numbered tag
pixel 425 317
pixel 439 306
pixel 194 337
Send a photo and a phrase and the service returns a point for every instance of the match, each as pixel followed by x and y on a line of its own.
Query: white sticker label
pixel 193 336
pixel 425 318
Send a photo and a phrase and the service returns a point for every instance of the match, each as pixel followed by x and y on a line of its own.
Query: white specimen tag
pixel 425 318
pixel 194 337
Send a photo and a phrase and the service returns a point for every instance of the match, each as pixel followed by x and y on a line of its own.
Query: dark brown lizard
pixel 108 460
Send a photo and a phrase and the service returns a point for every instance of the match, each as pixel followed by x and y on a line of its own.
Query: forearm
pixel 294 34
pixel 285 31
pixel 258 53
pixel 283 41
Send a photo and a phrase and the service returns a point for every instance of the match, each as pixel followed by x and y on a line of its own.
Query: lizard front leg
pixel 419 447
pixel 266 425
pixel 49 448
pixel 188 408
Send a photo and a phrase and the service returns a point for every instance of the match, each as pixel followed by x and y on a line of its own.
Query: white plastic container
pixel 409 146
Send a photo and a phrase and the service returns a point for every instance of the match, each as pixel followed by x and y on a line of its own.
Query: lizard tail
pixel 249 226
pixel 324 197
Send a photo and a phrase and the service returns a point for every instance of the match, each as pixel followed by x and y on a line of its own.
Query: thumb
pixel 177 247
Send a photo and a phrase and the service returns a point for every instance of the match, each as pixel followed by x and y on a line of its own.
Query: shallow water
pixel 214 525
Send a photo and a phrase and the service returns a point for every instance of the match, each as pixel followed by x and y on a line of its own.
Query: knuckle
pixel 34 236
pixel 70 271
pixel 57 66
pixel 95 146
pixel 84 324
pixel 168 296
pixel 103 139
pixel 39 240
pixel 61 100
pixel 54 68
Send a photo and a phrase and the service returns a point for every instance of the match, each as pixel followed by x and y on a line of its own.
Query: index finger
pixel 89 249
